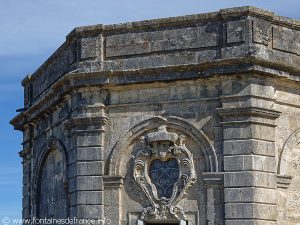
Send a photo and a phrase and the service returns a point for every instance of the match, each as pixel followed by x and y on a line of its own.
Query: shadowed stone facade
pixel 187 119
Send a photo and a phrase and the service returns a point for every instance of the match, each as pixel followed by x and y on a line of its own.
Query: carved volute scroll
pixel 164 170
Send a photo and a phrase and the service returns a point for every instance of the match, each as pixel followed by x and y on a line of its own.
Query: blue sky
pixel 31 30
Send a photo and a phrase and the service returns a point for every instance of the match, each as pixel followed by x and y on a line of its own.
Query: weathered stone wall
pixel 129 106
pixel 227 81
pixel 287 96
pixel 231 34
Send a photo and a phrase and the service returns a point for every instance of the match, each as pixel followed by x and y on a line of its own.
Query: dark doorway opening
pixel 162 223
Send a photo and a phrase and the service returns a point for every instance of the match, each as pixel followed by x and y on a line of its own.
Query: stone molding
pixel 96 50
pixel 94 123
pixel 248 111
pixel 248 115
pixel 214 185
pixel 82 122
pixel 283 181
pixel 173 122
pixel 112 182
pixel 25 154
pixel 224 14
pixel 288 145
pixel 215 179
pixel 55 97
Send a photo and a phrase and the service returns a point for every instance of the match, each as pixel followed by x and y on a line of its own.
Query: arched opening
pixel 52 193
pixel 289 166
pixel 124 145
pixel 50 182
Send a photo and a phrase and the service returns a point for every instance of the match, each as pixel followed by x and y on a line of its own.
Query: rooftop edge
pixel 222 14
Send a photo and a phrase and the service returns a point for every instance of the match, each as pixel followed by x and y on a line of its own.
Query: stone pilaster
pixel 26 200
pixel 26 154
pixel 249 165
pixel 214 184
pixel 112 198
pixel 86 166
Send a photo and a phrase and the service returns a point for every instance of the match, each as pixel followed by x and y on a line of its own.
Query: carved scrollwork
pixel 164 170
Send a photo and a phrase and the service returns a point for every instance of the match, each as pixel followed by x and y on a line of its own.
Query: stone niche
pixel 186 120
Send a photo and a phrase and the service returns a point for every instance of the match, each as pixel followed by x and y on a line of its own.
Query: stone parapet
pixel 238 36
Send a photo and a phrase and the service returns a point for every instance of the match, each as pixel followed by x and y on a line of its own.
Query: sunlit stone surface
pixel 218 93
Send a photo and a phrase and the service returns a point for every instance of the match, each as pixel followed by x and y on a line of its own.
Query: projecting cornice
pixel 231 41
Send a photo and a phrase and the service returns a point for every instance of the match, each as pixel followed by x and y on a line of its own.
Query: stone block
pixel 238 210
pixel 250 179
pixel 55 68
pixel 250 162
pixel 26 213
pixel 248 86
pixel 252 87
pixel 180 58
pixel 206 55
pixel 86 183
pixel 85 154
pixel 248 131
pixel 85 139
pixel 236 31
pixel 26 167
pixel 262 31
pixel 138 112
pixel 236 51
pixel 87 212
pixel 183 92
pixel 129 96
pixel 25 201
pixel 114 97
pixel 184 109
pixel 285 39
pixel 26 179
pixel 73 52
pixel 250 194
pixel 248 147
pixel 214 90
pixel 250 222
pixel 203 91
pixel 26 189
pixel 127 44
pixel 86 169
pixel 247 101
pixel 154 94
pixel 86 198
pixel 250 210
pixel 160 41
pixel 90 47
pixel 192 37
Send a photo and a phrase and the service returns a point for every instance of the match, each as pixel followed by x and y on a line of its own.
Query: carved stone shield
pixel 164 169
pixel 164 174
